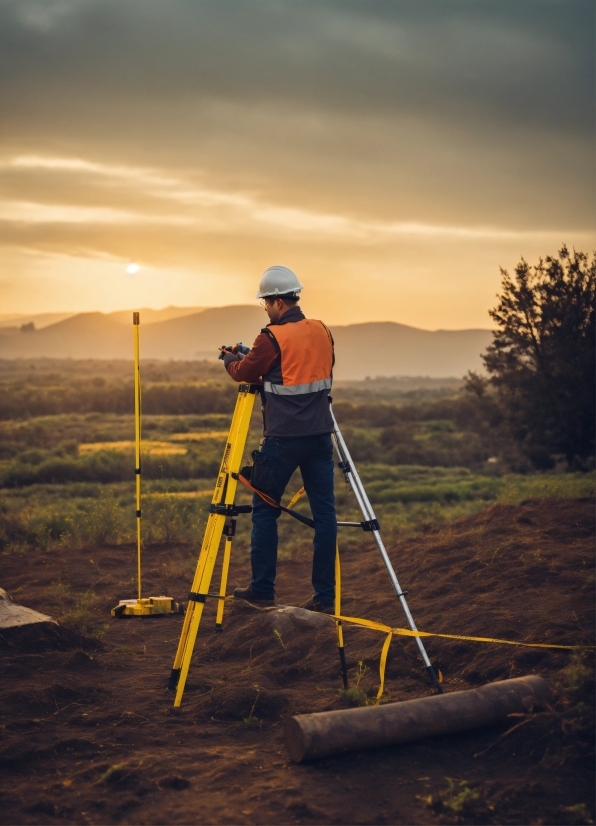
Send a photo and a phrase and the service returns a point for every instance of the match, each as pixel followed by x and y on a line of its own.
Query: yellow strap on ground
pixel 406 632
pixel 295 498
pixel 340 632
pixel 382 664
pixel 337 582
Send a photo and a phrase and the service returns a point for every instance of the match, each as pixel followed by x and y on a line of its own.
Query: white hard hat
pixel 278 280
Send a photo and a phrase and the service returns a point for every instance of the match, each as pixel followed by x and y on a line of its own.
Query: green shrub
pixel 109 466
pixel 15 530
pixel 73 394
pixel 460 797
pixel 103 522
pixel 77 611
pixel 167 519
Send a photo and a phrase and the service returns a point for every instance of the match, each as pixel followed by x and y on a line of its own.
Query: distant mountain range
pixel 38 319
pixel 41 320
pixel 371 349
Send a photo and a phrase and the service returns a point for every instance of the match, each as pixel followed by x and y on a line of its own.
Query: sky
pixel 394 153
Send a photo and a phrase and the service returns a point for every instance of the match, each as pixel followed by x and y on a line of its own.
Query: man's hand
pixel 240 349
pixel 228 358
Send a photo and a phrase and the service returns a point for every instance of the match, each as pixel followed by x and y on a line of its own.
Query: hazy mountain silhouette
pixel 96 335
pixel 39 319
pixel 371 349
pixel 86 335
pixel 150 316
pixel 200 335
pixel 123 316
pixel 390 349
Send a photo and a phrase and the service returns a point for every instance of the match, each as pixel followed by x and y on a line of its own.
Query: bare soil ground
pixel 89 734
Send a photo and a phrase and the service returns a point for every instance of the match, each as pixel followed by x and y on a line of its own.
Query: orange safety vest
pixel 306 350
pixel 297 391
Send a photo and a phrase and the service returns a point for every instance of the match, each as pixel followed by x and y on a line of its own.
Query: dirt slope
pixel 89 736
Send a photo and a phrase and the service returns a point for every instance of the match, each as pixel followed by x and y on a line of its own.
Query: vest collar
pixel 293 314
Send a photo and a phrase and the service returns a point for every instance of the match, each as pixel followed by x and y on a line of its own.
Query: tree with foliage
pixel 541 362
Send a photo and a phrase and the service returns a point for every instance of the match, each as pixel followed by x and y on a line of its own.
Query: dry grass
pixel 147 448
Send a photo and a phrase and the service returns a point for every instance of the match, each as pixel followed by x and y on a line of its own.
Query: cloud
pixel 242 212
pixel 23 212
pixel 438 105
pixel 364 140
pixel 515 56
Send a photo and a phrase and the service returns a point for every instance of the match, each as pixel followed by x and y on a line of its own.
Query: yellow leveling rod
pixel 150 606
pixel 135 322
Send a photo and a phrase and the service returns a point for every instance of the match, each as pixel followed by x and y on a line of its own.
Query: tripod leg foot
pixel 344 670
pixel 174 677
pixel 434 680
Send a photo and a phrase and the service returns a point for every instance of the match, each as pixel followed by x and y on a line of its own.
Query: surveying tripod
pixel 222 522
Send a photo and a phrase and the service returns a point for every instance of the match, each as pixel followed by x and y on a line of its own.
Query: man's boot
pixel 313 604
pixel 248 595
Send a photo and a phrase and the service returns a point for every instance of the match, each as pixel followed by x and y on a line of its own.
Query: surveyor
pixel 293 359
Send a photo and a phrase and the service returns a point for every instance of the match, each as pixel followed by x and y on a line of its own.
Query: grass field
pixel 407 499
pixel 67 475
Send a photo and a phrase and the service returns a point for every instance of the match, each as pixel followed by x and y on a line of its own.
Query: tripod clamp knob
pixel 371 525
pixel 229 510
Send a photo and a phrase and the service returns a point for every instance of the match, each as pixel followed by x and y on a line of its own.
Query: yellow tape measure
pixel 406 632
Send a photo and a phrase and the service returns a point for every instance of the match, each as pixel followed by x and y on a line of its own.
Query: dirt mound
pixel 25 631
pixel 40 637
pixel 91 736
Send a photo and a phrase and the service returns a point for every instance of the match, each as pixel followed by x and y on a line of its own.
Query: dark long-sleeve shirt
pixel 263 353
pixel 257 363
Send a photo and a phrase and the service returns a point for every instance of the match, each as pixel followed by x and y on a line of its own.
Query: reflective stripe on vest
pixel 297 389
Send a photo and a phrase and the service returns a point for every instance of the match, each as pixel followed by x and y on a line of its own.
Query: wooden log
pixel 310 736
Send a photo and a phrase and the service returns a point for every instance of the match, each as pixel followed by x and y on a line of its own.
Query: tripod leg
pixel 208 540
pixel 175 672
pixel 230 531
pixel 199 598
pixel 367 511
pixel 193 630
pixel 338 623
pixel 221 504
pixel 211 541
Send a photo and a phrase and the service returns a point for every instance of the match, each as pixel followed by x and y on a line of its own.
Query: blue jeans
pixel 314 456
